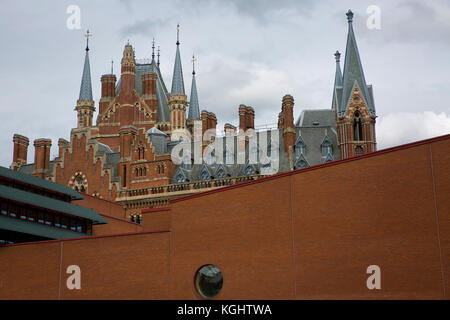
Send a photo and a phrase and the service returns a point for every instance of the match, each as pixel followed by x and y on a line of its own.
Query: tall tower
pixel 177 99
pixel 128 71
pixel 353 102
pixel 194 117
pixel 85 105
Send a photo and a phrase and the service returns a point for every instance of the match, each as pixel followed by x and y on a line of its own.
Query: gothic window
pixel 145 171
pixel 301 162
pixel 137 172
pixel 179 176
pixel 300 147
pixel 220 172
pixel 327 147
pixel 249 169
pixel 204 174
pixel 162 168
pixel 79 182
pixel 357 127
pixel 140 172
pixel 139 153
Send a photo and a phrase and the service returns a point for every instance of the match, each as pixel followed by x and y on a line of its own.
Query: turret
pixel 178 98
pixel 354 103
pixel 85 105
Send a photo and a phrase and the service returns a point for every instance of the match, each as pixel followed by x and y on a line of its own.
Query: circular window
pixel 208 281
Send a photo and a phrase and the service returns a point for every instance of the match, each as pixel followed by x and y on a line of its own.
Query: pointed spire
pixel 112 66
pixel 153 49
pixel 337 79
pixel 194 108
pixel 353 71
pixel 86 86
pixel 158 57
pixel 177 79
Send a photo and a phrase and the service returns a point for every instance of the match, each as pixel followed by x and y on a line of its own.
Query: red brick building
pixel 310 233
pixel 126 154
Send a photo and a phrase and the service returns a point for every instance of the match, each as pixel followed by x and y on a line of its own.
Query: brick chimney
pixel 246 117
pixel 229 129
pixel 108 91
pixel 286 123
pixel 20 151
pixel 41 157
pixel 62 143
pixel 250 118
pixel 149 91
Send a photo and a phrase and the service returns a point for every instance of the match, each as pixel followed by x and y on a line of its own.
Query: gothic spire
pixel 153 49
pixel 86 86
pixel 194 108
pixel 158 57
pixel 353 72
pixel 177 79
pixel 337 79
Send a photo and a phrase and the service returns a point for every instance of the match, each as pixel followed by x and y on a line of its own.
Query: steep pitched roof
pixel 177 79
pixel 337 80
pixel 194 108
pixel 86 86
pixel 161 90
pixel 353 72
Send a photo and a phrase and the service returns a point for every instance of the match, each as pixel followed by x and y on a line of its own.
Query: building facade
pixel 127 154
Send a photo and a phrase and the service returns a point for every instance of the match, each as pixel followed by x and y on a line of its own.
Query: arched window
pixel 158 168
pixel 137 172
pixel 140 172
pixel 145 171
pixel 357 127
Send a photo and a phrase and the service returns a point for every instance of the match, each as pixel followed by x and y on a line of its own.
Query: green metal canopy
pixel 49 203
pixel 38 182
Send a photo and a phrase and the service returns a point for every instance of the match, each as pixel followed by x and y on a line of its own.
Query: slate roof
pixel 177 79
pixel 353 73
pixel 27 178
pixel 194 108
pixel 161 91
pixel 86 86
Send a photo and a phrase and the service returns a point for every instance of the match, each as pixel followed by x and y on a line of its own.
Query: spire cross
pixel 87 35
pixel 178 34
pixel 193 64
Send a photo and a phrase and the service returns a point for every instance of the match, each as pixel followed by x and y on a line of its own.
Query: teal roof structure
pixel 36 200
pixel 38 182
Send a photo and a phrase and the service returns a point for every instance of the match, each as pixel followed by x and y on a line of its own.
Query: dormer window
pixel 327 147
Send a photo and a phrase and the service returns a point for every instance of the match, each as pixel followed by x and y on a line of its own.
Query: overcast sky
pixel 248 51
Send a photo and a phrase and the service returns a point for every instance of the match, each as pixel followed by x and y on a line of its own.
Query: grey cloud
pixel 144 27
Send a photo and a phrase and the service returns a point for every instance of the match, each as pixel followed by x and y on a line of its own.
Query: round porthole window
pixel 208 281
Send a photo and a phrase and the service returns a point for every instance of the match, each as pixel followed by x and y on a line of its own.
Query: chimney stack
pixel 41 157
pixel 20 151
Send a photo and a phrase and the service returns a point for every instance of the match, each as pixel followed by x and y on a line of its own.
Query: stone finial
pixel 337 56
pixel 349 15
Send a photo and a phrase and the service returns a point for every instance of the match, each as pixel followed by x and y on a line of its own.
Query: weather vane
pixel 193 64
pixel 87 35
